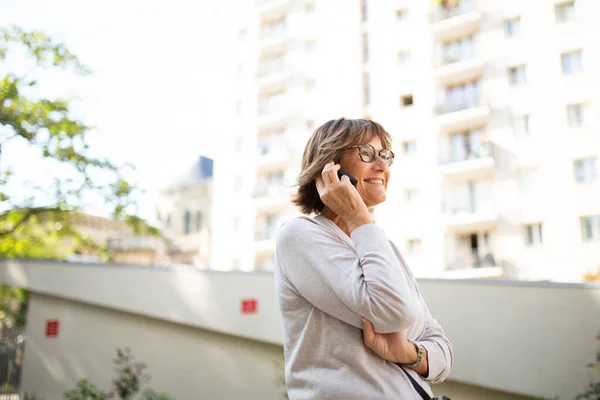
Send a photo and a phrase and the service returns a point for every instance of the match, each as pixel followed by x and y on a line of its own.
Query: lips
pixel 374 181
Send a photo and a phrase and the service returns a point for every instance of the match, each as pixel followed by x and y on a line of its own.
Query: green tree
pixel 36 220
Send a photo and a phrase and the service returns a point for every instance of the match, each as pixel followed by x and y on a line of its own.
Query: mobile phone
pixel 353 180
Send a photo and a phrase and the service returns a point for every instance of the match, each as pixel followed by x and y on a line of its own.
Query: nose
pixel 380 163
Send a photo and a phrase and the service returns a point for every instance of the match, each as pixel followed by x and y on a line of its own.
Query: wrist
pixel 414 355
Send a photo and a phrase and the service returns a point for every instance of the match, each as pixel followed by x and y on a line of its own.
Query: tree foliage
pixel 30 227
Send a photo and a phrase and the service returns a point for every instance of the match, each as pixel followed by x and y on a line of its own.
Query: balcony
pixel 462 114
pixel 271 197
pixel 274 38
pixel 454 21
pixel 272 75
pixel 464 221
pixel 269 9
pixel 459 69
pixel 476 163
pixel 272 156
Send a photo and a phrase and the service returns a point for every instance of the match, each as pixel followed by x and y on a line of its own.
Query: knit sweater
pixel 325 281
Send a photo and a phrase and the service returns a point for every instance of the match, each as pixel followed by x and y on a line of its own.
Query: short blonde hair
pixel 324 146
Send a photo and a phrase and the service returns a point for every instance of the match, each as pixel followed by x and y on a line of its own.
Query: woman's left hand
pixel 393 347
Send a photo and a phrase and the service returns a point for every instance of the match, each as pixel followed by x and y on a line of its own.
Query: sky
pixel 160 81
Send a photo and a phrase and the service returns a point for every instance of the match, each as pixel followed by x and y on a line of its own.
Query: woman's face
pixel 372 177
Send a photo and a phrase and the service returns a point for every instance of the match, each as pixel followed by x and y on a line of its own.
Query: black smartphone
pixel 353 180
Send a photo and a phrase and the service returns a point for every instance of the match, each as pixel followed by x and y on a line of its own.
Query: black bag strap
pixel 416 385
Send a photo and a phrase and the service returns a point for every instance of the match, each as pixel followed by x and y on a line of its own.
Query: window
pixel 310 84
pixel 411 196
pixel 575 115
pixel 310 124
pixel 187 223
pixel 198 221
pixel 409 147
pixel 459 97
pixel 366 90
pixel 521 125
pixel 512 27
pixel 310 46
pixel 517 75
pixel 467 145
pixel 401 15
pixel 272 28
pixel 238 107
pixel 571 62
pixel 309 8
pixel 365 47
pixel 533 234
pixel 403 57
pixel 413 246
pixel 364 11
pixel 564 11
pixel 590 227
pixel 458 50
pixel 238 145
pixel 406 100
pixel 586 170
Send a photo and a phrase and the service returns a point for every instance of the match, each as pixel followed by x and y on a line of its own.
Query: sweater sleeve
pixel 347 284
pixel 439 350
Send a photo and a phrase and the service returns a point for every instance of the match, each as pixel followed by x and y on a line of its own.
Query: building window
pixel 571 62
pixel 517 75
pixel 411 196
pixel 409 147
pixel 458 50
pixel 564 11
pixel 533 234
pixel 575 115
pixel 586 170
pixel 310 125
pixel 309 8
pixel 406 100
pixel 413 246
pixel 187 223
pixel 364 11
pixel 403 57
pixel 310 46
pixel 401 15
pixel 310 84
pixel 590 227
pixel 168 220
pixel 365 48
pixel 366 90
pixel 198 221
pixel 521 125
pixel 512 27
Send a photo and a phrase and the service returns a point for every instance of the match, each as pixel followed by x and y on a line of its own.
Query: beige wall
pixel 529 338
pixel 184 362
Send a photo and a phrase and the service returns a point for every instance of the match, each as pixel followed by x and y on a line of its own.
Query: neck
pixel 332 216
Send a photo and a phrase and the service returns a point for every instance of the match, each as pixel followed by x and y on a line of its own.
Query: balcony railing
pixel 458 105
pixel 473 261
pixel 446 12
pixel 481 151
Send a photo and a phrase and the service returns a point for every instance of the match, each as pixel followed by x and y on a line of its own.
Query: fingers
pixel 329 173
pixel 368 332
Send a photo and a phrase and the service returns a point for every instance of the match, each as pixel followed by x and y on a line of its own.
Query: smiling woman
pixel 353 315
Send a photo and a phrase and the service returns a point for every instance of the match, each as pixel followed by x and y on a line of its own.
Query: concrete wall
pixel 184 362
pixel 532 339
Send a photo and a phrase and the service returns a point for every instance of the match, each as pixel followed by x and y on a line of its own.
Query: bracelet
pixel 419 356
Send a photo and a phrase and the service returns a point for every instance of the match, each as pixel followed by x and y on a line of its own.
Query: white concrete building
pixel 185 212
pixel 493 108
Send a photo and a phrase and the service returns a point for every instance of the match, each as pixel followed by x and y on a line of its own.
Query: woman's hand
pixel 341 197
pixel 393 347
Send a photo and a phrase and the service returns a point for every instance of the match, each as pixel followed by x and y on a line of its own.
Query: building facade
pixel 493 111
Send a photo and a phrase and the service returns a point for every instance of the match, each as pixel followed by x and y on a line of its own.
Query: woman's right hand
pixel 341 197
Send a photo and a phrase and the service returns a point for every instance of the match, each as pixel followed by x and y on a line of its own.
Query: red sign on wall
pixel 249 306
pixel 52 328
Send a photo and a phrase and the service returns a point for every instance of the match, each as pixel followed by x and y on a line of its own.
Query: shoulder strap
pixel 417 387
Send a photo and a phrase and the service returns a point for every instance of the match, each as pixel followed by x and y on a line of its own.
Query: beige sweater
pixel 325 282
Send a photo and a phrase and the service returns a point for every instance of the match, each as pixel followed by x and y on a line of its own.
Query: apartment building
pixel 492 105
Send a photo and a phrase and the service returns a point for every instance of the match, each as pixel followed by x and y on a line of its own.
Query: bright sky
pixel 159 84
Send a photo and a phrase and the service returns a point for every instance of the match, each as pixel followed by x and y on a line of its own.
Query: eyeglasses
pixel 367 153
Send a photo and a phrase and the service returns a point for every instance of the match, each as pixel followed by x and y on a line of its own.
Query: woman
pixel 351 309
